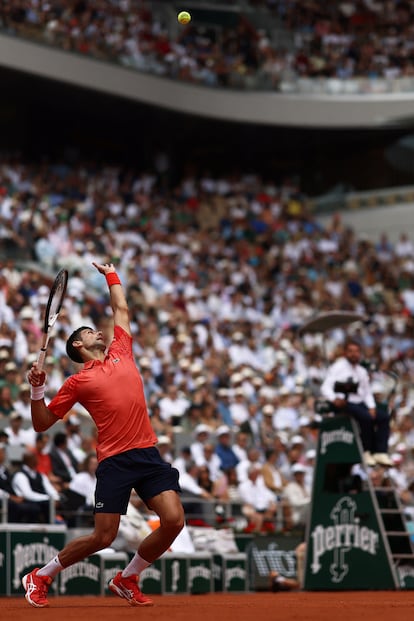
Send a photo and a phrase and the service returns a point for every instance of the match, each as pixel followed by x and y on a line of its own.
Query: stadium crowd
pixel 220 274
pixel 350 39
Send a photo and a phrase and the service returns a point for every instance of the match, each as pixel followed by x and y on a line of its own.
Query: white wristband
pixel 37 392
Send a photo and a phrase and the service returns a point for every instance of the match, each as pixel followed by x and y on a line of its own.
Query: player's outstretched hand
pixel 36 377
pixel 104 268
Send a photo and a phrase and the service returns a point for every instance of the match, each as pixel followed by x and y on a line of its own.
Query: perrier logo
pixel 344 535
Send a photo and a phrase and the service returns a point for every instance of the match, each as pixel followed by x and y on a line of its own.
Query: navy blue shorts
pixel 139 469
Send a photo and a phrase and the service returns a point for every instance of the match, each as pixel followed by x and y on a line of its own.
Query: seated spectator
pixel 182 460
pixel 164 446
pixel 6 402
pixel 41 450
pixel 276 482
pixel 64 464
pixel 17 436
pixel 173 406
pixel 228 458
pixel 240 445
pixel 212 461
pixel 84 482
pixel 78 499
pixel 297 496
pixel 197 512
pixel 201 436
pixel 35 488
pixel 22 404
pixel 74 437
pixel 259 503
pixel 253 458
pixel 18 510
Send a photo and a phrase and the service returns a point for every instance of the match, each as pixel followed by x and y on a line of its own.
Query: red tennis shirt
pixel 112 392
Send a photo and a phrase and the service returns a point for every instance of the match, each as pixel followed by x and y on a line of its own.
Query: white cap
pixel 73 420
pixel 222 430
pixel 26 313
pixel 297 440
pixel 202 428
pixel 164 440
pixel 311 454
pixel 298 468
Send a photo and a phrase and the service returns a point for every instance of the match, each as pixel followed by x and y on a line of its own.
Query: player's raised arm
pixel 117 297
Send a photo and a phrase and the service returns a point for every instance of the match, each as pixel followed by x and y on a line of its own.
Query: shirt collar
pixel 91 363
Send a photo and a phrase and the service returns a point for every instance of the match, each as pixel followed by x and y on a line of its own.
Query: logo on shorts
pixel 99 505
pixel 115 360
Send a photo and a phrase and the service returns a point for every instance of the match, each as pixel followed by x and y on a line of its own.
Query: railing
pixel 4 511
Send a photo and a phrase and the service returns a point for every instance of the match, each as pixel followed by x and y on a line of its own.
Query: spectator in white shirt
pixel 297 496
pixel 173 406
pixel 17 435
pixel 259 503
pixel 358 401
pixel 35 487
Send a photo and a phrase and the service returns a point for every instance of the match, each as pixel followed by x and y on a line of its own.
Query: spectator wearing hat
pixel 164 447
pixel 267 430
pixel 310 459
pixel 201 435
pixel 228 458
pixel 11 379
pixel 297 496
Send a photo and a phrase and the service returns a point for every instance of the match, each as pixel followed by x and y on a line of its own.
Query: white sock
pixel 135 566
pixel 52 568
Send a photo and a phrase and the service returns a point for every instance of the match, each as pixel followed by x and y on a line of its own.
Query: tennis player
pixel 110 387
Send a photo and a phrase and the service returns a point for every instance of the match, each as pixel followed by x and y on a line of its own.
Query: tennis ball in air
pixel 184 17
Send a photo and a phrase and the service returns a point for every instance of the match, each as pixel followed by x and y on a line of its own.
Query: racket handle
pixel 41 359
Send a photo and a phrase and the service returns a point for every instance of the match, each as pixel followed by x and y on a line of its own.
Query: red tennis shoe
pixel 36 588
pixel 127 587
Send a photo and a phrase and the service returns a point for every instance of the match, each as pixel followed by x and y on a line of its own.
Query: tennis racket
pixel 54 304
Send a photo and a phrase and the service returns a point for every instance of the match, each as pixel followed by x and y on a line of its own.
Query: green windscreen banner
pixel 346 546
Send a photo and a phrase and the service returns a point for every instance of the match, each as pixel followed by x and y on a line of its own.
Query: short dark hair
pixel 71 351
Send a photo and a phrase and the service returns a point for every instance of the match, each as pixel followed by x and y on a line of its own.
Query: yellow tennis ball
pixel 184 17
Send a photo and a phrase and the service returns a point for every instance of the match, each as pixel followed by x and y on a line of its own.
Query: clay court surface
pixel 306 606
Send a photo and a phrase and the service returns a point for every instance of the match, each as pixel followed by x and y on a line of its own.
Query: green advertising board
pixel 175 573
pixel 275 552
pixel 346 546
pixel 23 548
pixel 200 573
pixel 82 578
pixel 230 572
